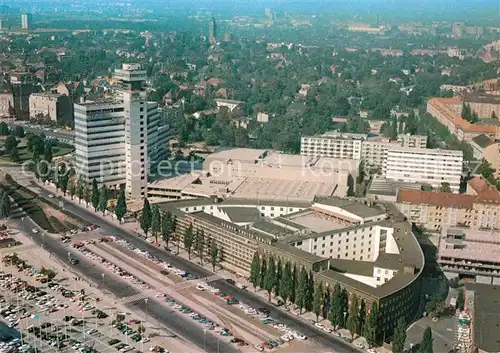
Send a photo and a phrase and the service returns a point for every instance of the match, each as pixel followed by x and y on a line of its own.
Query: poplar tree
pixel 255 270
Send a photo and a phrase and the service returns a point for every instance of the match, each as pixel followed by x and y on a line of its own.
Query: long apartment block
pixel 427 166
pixel 357 146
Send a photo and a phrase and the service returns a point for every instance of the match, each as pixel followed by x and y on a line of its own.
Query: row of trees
pixel 298 286
pixel 153 221
pixel 4 204
pixel 399 339
pixel 203 246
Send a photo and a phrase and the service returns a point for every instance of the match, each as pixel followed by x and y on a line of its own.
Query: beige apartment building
pixel 49 105
pixel 6 100
pixel 483 104
pixel 488 149
pixel 447 112
pixel 478 209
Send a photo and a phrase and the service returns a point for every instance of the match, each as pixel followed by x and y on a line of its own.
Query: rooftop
pixel 475 97
pixel 237 154
pixel 441 104
pixel 228 101
pixel 357 208
pixel 486 316
pixel 483 141
pixel 443 199
pixel 382 186
pixel 242 214
pixel 427 151
pixel 479 184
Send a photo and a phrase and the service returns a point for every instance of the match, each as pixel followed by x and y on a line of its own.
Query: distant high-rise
pixel 212 31
pixel 269 15
pixel 25 20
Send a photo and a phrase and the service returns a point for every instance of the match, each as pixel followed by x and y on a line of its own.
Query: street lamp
pixel 204 339
pixel 102 275
pixel 345 313
pixel 146 300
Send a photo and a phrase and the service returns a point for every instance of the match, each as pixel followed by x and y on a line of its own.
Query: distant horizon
pixel 388 10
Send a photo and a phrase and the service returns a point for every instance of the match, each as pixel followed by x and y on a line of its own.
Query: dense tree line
pixel 296 285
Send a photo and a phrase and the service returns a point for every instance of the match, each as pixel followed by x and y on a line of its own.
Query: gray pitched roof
pixel 482 141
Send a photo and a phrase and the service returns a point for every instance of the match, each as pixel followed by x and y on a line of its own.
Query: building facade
pixel 447 112
pixel 489 150
pixel 54 106
pixel 478 209
pixel 25 21
pixel 6 100
pixel 470 253
pixel 423 165
pixel 369 251
pixel 373 151
pixel 115 139
pixel 333 145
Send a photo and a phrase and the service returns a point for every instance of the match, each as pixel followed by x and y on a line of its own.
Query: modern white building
pixel 118 140
pixel 25 20
pixel 333 145
pixel 424 165
pixel 373 151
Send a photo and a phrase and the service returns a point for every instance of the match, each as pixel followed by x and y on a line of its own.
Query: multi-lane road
pixel 178 324
pixel 162 314
pixel 61 135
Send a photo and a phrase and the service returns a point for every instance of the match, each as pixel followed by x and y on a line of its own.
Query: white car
pixel 371 350
pixel 359 345
pixel 319 325
pixel 35 231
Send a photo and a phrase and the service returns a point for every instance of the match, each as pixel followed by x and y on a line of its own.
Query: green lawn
pixel 25 155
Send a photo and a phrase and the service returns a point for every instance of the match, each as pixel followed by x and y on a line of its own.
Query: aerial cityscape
pixel 226 176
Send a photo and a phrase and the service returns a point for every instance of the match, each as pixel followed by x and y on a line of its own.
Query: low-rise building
pixel 230 104
pixel 262 117
pixel 470 253
pixel 483 308
pixel 334 145
pixel 488 149
pixel 53 106
pixel 426 166
pixel 6 100
pixel 412 141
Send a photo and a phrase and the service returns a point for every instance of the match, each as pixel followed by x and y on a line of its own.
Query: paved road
pixel 59 135
pixel 178 324
pixel 247 297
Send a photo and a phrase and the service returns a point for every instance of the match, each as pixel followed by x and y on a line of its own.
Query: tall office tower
pixel 117 139
pixel 1 24
pixel 212 31
pixel 25 20
pixel 136 128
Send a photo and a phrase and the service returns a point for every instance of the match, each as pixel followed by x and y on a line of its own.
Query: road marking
pixel 166 290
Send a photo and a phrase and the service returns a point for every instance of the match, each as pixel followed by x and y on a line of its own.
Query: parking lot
pixel 219 314
pixel 54 311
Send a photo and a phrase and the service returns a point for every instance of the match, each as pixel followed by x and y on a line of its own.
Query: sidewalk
pixel 134 227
